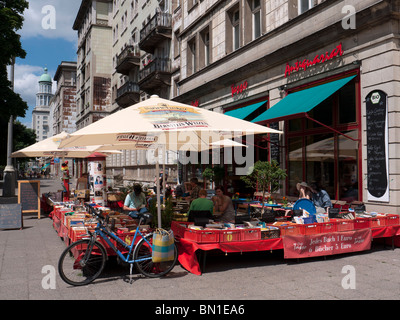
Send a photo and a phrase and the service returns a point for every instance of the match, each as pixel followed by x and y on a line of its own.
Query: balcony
pixel 128 94
pixel 129 58
pixel 155 75
pixel 156 30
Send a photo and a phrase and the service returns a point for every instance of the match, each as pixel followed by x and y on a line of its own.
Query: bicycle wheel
pixel 143 251
pixel 79 267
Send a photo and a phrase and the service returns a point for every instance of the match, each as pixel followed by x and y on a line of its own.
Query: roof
pixel 45 77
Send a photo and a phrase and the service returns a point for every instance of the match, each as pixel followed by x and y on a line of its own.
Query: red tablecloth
pixel 187 250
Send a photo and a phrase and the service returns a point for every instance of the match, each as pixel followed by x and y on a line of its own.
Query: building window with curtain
pixel 304 5
pixel 236 29
pixel 256 17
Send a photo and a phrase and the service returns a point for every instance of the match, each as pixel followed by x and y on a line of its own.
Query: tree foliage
pixel 265 176
pixel 11 21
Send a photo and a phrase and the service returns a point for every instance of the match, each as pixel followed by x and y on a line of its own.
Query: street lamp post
pixel 9 171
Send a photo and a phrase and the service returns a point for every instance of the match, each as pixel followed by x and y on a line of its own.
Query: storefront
pixel 327 102
pixel 322 122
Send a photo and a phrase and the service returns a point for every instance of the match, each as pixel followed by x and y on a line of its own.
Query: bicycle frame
pixel 101 231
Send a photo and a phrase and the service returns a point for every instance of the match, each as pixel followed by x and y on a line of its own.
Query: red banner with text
pixel 302 246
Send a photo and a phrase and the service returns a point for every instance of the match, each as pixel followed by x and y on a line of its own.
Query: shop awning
pixel 244 113
pixel 297 104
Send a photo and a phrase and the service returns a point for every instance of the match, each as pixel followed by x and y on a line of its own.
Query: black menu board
pixel 10 216
pixel 29 196
pixel 274 138
pixel 377 174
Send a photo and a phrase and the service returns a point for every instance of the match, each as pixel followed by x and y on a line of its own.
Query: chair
pixel 199 217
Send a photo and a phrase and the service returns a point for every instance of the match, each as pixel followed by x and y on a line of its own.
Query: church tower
pixel 41 113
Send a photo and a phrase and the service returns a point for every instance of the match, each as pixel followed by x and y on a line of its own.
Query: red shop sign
pixel 325 244
pixel 239 88
pixel 319 58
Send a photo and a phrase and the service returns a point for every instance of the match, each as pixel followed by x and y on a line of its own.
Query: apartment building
pixel 63 103
pixel 324 72
pixel 94 66
pixel 141 43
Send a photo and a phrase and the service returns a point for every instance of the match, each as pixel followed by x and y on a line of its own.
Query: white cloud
pixel 37 23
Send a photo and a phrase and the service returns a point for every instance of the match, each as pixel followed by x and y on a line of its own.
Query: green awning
pixel 244 113
pixel 296 104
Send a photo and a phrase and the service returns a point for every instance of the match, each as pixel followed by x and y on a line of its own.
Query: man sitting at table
pixel 194 193
pixel 201 204
pixel 135 202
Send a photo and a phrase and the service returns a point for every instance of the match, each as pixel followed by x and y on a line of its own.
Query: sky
pixel 48 38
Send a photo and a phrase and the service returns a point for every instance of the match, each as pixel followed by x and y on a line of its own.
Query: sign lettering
pixel 302 246
pixel 319 58
pixel 239 88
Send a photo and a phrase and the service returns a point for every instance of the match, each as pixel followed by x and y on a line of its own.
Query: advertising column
pixel 97 178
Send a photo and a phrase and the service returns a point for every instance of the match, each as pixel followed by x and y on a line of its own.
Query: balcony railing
pixel 159 27
pixel 127 94
pixel 129 57
pixel 156 65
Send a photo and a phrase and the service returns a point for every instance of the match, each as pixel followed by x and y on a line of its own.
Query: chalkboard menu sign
pixel 274 139
pixel 377 146
pixel 10 216
pixel 29 196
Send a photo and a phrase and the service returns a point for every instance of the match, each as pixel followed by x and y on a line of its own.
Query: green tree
pixel 265 176
pixel 22 137
pixel 214 174
pixel 11 21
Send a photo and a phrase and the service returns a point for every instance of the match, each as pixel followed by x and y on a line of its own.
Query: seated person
pixel 305 191
pixel 320 198
pixel 201 204
pixel 194 192
pixel 135 202
pixel 223 206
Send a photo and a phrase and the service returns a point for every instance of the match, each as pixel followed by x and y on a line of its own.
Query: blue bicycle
pixel 83 261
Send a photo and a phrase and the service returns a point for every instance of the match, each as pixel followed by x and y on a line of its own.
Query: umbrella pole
pixel 158 189
pixel 164 175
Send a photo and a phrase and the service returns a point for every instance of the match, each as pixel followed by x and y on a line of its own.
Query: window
pixel 317 154
pixel 232 27
pixel 256 10
pixel 177 45
pixel 191 57
pixel 304 5
pixel 236 29
pixel 204 48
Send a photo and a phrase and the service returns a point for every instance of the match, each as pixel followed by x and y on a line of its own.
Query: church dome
pixel 45 77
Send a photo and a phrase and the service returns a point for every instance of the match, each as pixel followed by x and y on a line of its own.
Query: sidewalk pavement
pixel 29 258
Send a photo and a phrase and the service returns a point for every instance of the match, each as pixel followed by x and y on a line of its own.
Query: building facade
pixel 141 46
pixel 94 66
pixel 41 122
pixel 324 72
pixel 63 103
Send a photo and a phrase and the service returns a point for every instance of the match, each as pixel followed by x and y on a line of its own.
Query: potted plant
pixel 214 174
pixel 265 176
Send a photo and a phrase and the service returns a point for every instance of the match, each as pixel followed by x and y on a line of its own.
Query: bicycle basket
pixel 163 246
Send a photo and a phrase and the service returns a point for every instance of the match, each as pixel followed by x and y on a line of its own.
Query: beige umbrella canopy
pixel 50 147
pixel 168 125
pixel 156 122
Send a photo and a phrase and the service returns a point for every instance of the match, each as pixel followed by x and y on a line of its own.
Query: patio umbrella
pixel 50 147
pixel 160 123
